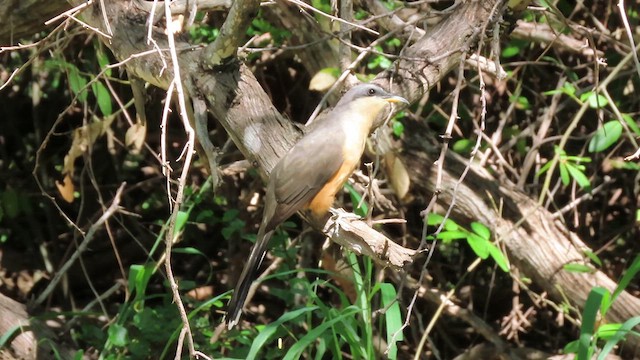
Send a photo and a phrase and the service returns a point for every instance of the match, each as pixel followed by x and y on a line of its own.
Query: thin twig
pixel 181 185
pixel 82 247
pixel 625 21
pixel 334 18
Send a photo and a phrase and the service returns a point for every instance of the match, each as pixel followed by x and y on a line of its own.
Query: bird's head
pixel 369 100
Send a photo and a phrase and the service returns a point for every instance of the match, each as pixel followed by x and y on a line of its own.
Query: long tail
pixel 249 273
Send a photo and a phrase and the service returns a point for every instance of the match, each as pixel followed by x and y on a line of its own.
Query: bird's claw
pixel 338 215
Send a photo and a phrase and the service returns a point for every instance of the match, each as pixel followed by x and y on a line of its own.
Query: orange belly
pixel 321 203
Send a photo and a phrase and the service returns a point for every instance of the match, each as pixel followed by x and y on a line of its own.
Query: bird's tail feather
pixel 249 273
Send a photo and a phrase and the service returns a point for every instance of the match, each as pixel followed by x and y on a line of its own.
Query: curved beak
pixel 396 99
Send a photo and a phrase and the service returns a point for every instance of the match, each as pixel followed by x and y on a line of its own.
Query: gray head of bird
pixel 370 99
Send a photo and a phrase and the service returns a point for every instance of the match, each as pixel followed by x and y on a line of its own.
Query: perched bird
pixel 313 171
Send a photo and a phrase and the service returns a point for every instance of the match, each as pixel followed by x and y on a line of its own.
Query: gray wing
pixel 303 171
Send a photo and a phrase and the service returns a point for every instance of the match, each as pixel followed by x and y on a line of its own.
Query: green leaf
pixel 394 42
pixel 452 235
pixel 624 330
pixel 498 257
pixel 571 348
pixel 578 268
pixel 479 245
pixel 606 136
pixel 589 317
pixel 188 250
pixel 450 225
pixel 463 146
pixel 117 335
pixel 230 215
pixel 103 97
pixel 296 350
pixel 434 219
pixel 481 230
pixel 181 221
pixel 103 61
pixel 578 176
pixel 356 199
pixel 544 168
pixel 385 63
pixel 631 124
pixel 139 277
pixel 10 333
pixel 510 51
pixel 234 226
pixel 607 331
pixel 596 101
pixel 270 329
pixel 631 272
pixel 564 174
pixel 77 83
pixel 593 257
pixel 393 318
pixel 522 102
pixel 398 128
pixel 569 89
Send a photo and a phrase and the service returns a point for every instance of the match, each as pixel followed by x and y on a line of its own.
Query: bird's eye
pixel 371 92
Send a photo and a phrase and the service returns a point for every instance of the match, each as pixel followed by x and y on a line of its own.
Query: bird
pixel 309 176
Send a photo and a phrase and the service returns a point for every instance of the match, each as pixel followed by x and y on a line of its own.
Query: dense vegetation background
pixel 551 118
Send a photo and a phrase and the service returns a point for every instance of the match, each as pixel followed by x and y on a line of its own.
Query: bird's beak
pixel 396 99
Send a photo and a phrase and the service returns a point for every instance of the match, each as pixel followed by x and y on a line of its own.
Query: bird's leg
pixel 340 214
pixel 337 217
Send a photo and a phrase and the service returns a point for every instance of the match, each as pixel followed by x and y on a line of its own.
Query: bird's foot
pixel 340 214
pixel 339 218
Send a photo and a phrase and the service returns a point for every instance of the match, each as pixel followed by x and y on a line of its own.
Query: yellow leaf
pixel 322 80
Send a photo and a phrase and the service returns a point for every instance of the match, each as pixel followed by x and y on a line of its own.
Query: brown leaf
pixel 135 136
pixel 66 189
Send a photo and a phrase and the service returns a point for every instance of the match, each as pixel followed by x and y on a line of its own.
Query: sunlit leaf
pixel 481 230
pixel 581 179
pixel 578 268
pixel 596 101
pixel 393 318
pixel 589 317
pixel 631 123
pixel 564 174
pixel 452 235
pixel 606 136
pixel 479 245
pixel 498 256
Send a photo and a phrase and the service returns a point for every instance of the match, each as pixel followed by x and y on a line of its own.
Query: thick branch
pixel 24 18
pixel 231 33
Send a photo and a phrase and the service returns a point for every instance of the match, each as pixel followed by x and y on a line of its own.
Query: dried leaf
pixel 66 189
pixel 83 139
pixel 398 175
pixel 323 79
pixel 135 136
